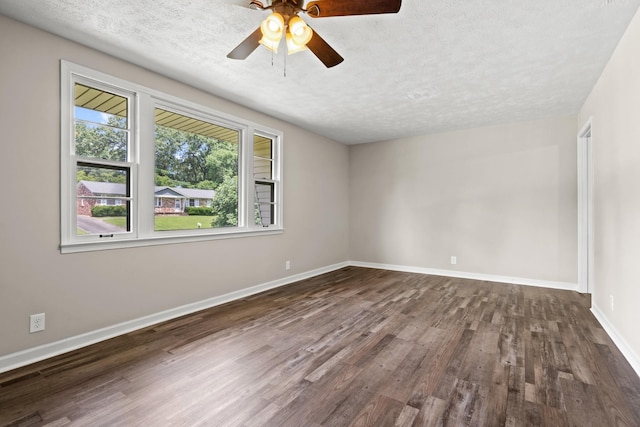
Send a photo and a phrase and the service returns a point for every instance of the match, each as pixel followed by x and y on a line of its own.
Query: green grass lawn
pixel 164 223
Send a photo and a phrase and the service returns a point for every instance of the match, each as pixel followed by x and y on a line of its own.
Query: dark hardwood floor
pixel 355 347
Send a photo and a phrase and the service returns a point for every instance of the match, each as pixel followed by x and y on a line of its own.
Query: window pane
pixel 196 173
pixel 265 207
pixel 262 173
pixel 262 168
pixel 100 124
pixel 102 200
pixel 263 157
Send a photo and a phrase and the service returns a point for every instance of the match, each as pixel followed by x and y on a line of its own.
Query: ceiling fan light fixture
pixel 284 21
pixel 292 46
pixel 297 25
pixel 272 28
pixel 270 44
pixel 299 31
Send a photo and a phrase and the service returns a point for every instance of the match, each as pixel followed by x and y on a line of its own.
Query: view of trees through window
pixel 140 167
pixel 102 141
pixel 196 167
pixel 197 160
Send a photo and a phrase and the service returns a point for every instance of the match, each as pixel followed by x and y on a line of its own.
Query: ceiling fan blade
pixel 244 49
pixel 256 5
pixel 324 52
pixel 325 8
pixel 251 4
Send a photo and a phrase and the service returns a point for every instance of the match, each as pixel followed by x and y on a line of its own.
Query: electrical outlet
pixel 611 301
pixel 454 260
pixel 36 323
pixel 287 265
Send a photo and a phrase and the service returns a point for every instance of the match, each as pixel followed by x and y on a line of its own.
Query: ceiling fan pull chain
pixel 285 66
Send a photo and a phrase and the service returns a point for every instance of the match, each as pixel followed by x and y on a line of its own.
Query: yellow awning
pixel 105 102
pixel 188 124
pixel 99 100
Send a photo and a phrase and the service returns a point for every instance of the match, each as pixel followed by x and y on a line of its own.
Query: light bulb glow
pixel 299 35
pixel 296 26
pixel 273 25
pixel 272 28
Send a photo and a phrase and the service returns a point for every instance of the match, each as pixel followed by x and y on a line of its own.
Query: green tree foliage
pixel 196 161
pixel 225 204
pixel 182 159
pixel 101 142
pixel 206 185
pixel 222 163
pixel 164 181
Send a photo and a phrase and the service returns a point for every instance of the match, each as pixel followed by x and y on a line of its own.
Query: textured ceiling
pixel 437 65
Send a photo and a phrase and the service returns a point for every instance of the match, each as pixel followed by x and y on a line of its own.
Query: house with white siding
pixel 168 200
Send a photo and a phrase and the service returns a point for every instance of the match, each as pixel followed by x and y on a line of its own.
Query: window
pixel 198 157
pixel 101 141
pixel 265 184
pixel 134 160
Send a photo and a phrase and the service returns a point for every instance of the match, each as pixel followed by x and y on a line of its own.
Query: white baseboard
pixel 36 354
pixel 465 275
pixel 622 345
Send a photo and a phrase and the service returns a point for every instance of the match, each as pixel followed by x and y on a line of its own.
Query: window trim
pixel 141 160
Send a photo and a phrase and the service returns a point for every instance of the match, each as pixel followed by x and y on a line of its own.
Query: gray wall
pixel 501 199
pixel 85 292
pixel 614 106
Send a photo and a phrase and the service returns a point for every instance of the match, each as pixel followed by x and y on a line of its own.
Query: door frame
pixel 585 208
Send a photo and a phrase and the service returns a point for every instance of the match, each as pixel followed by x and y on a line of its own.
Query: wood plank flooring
pixel 355 347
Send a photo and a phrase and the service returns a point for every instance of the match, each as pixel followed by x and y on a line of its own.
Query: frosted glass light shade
pixel 300 32
pixel 272 28
pixel 292 46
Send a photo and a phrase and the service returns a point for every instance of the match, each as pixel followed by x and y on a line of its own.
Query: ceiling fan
pixel 284 21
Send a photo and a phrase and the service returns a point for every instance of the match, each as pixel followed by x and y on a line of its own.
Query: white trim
pixel 585 208
pixel 466 275
pixel 36 354
pixel 625 349
pixel 186 236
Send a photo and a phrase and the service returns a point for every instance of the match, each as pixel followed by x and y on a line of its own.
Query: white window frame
pixel 141 158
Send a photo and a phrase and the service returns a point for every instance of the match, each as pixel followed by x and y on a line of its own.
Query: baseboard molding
pixel 36 354
pixel 465 275
pixel 622 345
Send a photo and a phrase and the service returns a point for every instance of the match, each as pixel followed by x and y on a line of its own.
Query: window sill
pixel 77 247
